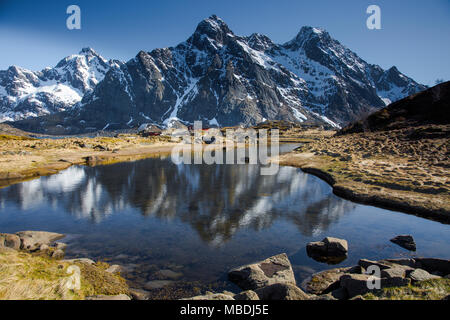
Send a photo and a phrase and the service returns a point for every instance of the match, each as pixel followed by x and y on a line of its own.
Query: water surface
pixel 202 220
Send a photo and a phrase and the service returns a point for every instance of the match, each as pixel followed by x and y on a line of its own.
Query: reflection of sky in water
pixel 206 218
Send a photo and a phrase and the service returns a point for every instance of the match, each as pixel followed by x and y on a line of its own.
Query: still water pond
pixel 201 220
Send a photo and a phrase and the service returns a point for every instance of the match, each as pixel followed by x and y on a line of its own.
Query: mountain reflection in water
pixel 216 200
pixel 202 220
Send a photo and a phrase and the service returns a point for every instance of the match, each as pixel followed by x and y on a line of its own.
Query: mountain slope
pixel 24 93
pixel 430 107
pixel 225 79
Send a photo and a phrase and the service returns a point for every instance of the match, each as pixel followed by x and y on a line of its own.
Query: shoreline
pixel 53 156
pixel 441 216
pixel 361 169
pixel 19 166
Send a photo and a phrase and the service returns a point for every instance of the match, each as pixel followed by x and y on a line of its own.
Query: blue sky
pixel 415 34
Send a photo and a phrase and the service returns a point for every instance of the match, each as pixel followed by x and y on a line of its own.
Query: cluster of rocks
pixel 273 279
pixel 352 282
pixel 44 243
pixel 270 279
pixel 35 242
pixel 334 250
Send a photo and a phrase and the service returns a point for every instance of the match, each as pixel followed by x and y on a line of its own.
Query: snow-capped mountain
pixel 24 93
pixel 226 79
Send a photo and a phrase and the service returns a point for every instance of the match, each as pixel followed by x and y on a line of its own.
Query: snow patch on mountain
pixel 25 93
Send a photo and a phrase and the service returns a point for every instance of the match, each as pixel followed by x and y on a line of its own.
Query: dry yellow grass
pixel 24 276
pixel 387 169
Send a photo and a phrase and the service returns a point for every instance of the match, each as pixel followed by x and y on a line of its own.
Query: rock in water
pixel 329 250
pixel 405 241
pixel 276 269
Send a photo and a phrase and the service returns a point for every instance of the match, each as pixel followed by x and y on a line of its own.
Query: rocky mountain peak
pixel 306 35
pixel 226 79
pixel 25 93
pixel 88 51
pixel 211 31
pixel 260 42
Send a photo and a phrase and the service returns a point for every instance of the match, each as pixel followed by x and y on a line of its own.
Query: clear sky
pixel 415 34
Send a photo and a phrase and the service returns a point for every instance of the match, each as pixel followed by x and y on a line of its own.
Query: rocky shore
pixel 386 169
pixel 32 267
pixel 23 157
pixel 399 279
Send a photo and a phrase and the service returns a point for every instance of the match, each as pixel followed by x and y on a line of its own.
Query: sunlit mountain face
pixel 215 76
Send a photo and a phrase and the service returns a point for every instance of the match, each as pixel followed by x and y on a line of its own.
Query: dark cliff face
pixel 225 79
pixel 430 107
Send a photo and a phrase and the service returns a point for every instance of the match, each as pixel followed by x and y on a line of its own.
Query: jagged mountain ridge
pixel 225 79
pixel 25 93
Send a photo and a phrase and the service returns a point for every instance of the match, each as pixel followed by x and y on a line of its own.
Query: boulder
pixel 330 250
pixel 281 291
pixel 276 269
pixel 404 262
pixel 325 281
pixel 318 248
pixel 10 241
pixel 32 240
pixel 335 246
pixel 355 284
pixel 432 264
pixel 104 297
pixel 421 275
pixel 393 272
pixel 367 263
pixel 405 241
pixel 247 295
